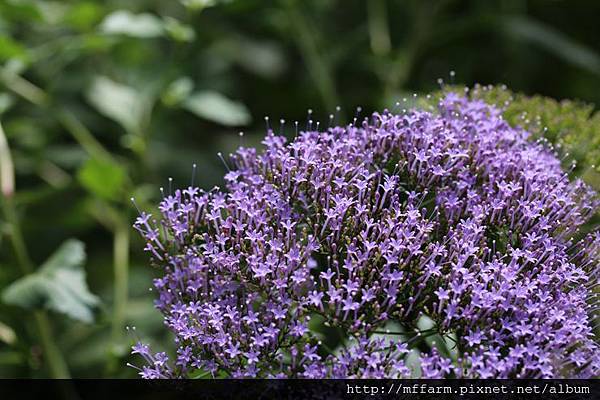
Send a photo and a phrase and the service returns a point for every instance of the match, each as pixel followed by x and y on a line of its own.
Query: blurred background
pixel 101 101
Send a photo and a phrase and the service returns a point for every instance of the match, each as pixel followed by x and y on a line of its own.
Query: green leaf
pixel 52 12
pixel 119 102
pixel 23 11
pixel 200 4
pixel 178 30
pixel 7 334
pixel 9 49
pixel 102 178
pixel 263 58
pixel 83 15
pixel 58 285
pixel 215 107
pixel 142 25
pixel 177 91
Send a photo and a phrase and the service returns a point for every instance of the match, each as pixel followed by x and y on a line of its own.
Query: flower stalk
pixel 55 361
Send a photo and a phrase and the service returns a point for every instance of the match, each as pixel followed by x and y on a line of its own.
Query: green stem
pixel 121 272
pixel 83 136
pixel 379 32
pixel 317 66
pixel 16 236
pixel 23 87
pixel 56 363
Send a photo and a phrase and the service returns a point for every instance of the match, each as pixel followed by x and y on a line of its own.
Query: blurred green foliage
pixel 101 101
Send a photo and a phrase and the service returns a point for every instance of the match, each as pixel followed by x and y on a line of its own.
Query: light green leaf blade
pixel 142 25
pixel 59 285
pixel 70 295
pixel 7 334
pixel 119 102
pixel 28 292
pixel 215 107
pixel 70 255
pixel 102 178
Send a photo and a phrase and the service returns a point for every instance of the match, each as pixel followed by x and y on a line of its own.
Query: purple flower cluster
pixel 451 217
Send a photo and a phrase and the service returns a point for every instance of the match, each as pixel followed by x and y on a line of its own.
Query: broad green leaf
pixel 102 178
pixel 119 102
pixel 59 285
pixel 123 22
pixel 215 107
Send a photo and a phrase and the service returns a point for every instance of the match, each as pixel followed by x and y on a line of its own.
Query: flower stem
pixel 83 136
pixel 121 272
pixel 379 32
pixel 57 365
pixel 318 67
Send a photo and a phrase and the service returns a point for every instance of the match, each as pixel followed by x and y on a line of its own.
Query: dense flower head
pixel 432 244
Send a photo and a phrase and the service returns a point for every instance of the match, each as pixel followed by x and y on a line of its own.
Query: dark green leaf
pixel 102 178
